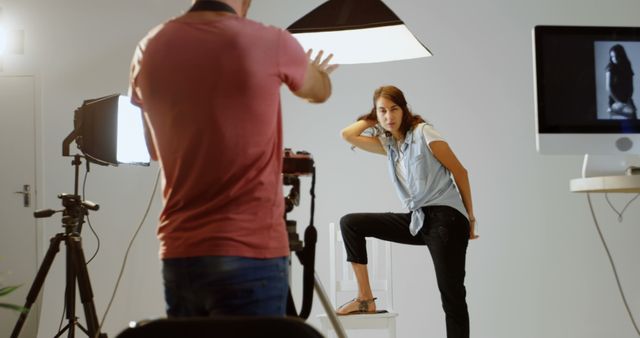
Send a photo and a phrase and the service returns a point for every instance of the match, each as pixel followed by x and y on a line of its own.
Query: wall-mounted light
pixel 3 39
pixel 11 40
pixel 357 31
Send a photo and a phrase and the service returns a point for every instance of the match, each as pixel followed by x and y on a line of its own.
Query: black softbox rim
pixel 337 15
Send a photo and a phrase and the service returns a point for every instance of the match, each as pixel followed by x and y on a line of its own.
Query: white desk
pixel 628 184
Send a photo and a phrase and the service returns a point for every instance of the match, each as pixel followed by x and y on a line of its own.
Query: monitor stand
pixel 610 165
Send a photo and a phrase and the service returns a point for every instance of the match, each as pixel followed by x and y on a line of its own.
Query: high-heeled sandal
pixel 363 307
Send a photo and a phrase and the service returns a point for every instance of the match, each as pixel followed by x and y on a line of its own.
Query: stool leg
pixel 392 328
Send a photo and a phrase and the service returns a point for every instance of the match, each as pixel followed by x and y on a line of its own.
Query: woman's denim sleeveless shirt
pixel 429 182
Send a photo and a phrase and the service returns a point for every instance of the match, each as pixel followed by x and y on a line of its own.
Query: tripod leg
pixel 84 285
pixel 36 286
pixel 70 292
pixel 328 308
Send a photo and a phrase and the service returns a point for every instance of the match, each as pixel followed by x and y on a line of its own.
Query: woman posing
pixel 432 184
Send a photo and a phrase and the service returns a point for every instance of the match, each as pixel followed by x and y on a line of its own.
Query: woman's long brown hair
pixel 395 95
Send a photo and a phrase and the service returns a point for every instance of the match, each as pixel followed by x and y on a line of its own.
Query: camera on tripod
pixel 294 165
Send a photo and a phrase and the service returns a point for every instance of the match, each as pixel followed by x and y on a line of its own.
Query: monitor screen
pixel 587 89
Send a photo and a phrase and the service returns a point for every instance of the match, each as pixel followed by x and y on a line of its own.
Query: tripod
pixel 306 256
pixel 76 267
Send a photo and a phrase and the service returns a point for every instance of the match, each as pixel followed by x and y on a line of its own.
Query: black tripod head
pixel 73 213
pixel 75 208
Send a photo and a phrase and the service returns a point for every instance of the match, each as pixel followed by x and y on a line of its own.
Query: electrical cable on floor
pixel 126 255
pixel 613 266
pixel 619 213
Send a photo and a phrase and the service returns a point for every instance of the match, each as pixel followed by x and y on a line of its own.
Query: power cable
pixel 619 213
pixel 613 266
pixel 95 253
pixel 126 255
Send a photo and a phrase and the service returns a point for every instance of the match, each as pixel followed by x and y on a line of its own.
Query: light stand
pixel 105 130
pixel 76 267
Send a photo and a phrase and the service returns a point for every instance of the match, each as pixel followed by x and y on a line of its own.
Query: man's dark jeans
pixel 445 232
pixel 225 286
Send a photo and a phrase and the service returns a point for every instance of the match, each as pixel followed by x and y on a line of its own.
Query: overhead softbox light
pixel 109 131
pixel 357 31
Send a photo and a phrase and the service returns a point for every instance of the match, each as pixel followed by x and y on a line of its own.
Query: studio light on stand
pixel 357 31
pixel 108 131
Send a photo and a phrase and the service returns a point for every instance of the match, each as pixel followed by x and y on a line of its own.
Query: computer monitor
pixel 587 91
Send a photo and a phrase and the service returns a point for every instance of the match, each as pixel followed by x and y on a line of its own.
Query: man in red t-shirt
pixel 208 84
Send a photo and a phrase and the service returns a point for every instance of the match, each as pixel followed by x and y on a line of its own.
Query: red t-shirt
pixel 210 91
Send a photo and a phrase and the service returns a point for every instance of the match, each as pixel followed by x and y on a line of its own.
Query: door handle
pixel 26 195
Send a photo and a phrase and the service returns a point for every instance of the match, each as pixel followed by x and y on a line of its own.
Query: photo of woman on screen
pixel 619 83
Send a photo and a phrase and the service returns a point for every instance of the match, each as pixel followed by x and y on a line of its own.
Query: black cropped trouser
pixel 445 232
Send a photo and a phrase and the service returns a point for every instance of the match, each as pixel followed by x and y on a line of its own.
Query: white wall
pixel 538 269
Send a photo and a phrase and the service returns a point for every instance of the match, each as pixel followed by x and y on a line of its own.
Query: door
pixel 18 232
